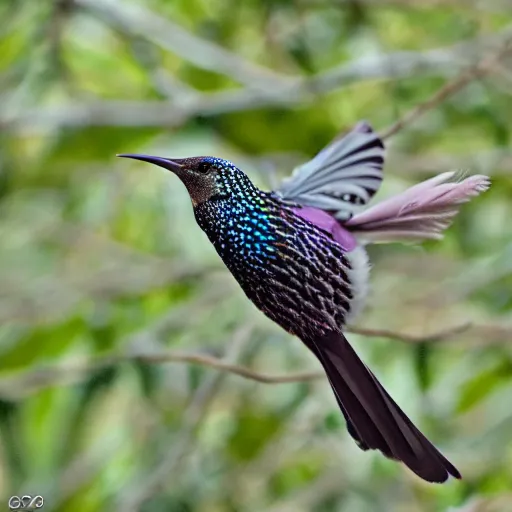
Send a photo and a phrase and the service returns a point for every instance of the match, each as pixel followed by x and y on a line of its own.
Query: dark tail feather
pixel 373 418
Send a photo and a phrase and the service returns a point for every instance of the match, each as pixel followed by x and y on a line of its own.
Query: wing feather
pixel 343 177
pixel 421 212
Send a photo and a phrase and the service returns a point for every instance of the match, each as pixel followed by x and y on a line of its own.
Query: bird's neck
pixel 240 228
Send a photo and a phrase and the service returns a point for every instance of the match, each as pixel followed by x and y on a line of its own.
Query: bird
pixel 299 254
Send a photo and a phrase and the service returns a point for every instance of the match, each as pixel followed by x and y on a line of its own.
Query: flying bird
pixel 299 255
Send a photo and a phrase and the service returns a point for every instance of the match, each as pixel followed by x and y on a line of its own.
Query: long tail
pixel 374 420
pixel 421 212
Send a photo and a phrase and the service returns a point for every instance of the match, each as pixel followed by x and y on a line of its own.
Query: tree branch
pixel 296 91
pixel 410 338
pixel 482 68
pixel 136 20
pixel 66 373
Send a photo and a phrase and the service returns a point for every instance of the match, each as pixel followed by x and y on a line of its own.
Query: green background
pixel 101 260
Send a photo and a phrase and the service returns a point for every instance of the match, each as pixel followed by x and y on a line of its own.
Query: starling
pixel 299 255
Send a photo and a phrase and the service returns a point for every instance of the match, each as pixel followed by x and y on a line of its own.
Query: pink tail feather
pixel 421 212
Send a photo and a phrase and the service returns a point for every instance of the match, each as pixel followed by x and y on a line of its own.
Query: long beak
pixel 166 163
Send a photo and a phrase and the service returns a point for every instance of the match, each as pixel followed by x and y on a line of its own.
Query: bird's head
pixel 206 177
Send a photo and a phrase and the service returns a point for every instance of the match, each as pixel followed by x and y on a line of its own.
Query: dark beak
pixel 166 163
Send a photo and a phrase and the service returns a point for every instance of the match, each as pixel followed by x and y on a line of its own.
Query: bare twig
pixel 482 68
pixel 410 338
pixel 66 373
pixel 224 366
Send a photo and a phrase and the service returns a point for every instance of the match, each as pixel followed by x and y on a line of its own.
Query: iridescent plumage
pixel 274 255
pixel 298 255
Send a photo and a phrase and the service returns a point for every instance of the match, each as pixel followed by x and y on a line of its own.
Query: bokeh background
pixel 116 313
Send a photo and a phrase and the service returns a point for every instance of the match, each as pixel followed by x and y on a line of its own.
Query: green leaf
pixel 482 385
pixel 12 442
pixel 253 429
pixel 423 356
pixel 42 344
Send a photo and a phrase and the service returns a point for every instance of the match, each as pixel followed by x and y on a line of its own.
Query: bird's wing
pixel 421 212
pixel 343 177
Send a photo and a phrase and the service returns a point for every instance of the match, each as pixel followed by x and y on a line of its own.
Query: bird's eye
pixel 203 167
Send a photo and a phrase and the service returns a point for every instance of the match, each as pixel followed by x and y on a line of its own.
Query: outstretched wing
pixel 343 177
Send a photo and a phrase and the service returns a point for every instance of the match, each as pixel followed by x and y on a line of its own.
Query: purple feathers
pixel 419 213
pixel 335 187
pixel 328 223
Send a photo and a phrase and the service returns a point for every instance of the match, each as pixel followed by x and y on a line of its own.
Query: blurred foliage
pixel 100 256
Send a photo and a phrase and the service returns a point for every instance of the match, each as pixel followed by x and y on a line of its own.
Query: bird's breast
pixel 297 274
pixel 244 236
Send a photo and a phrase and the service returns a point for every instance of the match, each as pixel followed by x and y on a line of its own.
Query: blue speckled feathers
pixel 275 256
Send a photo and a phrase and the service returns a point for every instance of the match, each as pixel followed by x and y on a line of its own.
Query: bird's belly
pixel 309 296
